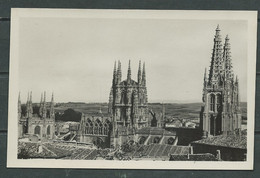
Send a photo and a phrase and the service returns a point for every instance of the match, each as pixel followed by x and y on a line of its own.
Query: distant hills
pixel 175 110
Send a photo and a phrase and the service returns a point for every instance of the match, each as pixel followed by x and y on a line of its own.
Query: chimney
pixel 218 155
pixel 191 149
pixel 40 149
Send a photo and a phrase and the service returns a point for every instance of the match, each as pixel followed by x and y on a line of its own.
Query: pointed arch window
pixel 212 102
pixel 219 98
pixel 96 129
pixel 48 130
pixel 89 127
pixel 37 130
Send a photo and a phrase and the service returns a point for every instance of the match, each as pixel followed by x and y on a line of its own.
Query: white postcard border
pixel 17 13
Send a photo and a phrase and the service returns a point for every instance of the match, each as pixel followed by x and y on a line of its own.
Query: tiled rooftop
pixel 232 140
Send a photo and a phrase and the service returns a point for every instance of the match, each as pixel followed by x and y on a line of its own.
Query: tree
pixel 69 115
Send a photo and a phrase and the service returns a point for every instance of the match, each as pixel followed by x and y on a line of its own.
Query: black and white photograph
pixel 132 89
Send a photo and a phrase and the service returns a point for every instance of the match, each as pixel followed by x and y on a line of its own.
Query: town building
pixel 220 113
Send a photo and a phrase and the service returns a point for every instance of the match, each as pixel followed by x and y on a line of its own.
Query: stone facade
pixel 95 130
pixel 37 122
pixel 220 113
pixel 128 102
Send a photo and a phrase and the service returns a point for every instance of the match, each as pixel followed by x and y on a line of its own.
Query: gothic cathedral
pixel 220 113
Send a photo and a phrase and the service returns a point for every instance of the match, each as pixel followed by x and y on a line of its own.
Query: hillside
pixel 175 110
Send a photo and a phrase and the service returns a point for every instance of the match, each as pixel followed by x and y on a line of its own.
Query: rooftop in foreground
pixel 233 140
pixel 193 157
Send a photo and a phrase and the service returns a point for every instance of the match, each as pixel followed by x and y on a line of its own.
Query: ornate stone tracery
pixel 221 111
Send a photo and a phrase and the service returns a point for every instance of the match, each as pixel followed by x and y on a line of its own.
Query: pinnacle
pixel 52 97
pixel 41 97
pixel 129 64
pixel 217 27
pixel 129 70
pixel 115 66
pixel 227 38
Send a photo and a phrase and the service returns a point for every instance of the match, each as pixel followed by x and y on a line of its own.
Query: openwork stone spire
pixel 205 77
pixel 143 76
pixel 44 109
pixel 41 106
pixel 216 66
pixel 52 113
pixel 129 72
pixel 220 113
pixel 114 74
pixel 139 75
pixel 227 59
pixel 119 72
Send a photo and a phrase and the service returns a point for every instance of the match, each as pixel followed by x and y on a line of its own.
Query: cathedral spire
pixel 41 106
pixel 205 77
pixel 27 105
pixel 44 109
pixel 143 76
pixel 110 103
pixel 227 59
pixel 52 98
pixel 31 107
pixel 52 113
pixel 119 72
pixel 28 98
pixel 205 74
pixel 31 96
pixel 216 59
pixel 139 79
pixel 114 74
pixel 129 72
pixel 41 99
pixel 44 97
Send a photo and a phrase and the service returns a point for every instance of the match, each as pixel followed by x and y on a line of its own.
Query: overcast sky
pixel 74 57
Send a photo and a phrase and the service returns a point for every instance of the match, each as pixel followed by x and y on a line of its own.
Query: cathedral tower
pixel 128 100
pixel 221 111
